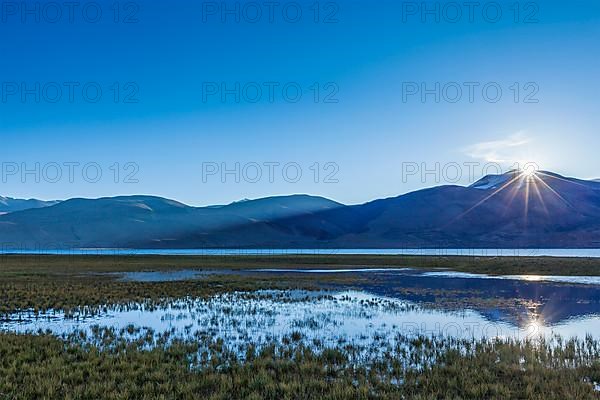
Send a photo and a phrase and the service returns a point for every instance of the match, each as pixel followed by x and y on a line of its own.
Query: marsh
pixel 364 322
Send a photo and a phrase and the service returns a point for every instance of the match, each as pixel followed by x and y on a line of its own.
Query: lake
pixel 265 252
pixel 382 306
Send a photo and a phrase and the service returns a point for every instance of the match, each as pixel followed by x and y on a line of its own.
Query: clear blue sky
pixel 364 55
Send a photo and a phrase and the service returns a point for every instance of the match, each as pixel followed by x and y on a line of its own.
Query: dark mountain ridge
pixel 512 210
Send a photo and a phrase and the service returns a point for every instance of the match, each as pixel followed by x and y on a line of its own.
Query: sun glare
pixel 529 171
pixel 531 278
pixel 528 181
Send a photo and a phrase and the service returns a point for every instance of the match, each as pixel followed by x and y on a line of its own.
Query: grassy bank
pixel 44 367
pixel 70 264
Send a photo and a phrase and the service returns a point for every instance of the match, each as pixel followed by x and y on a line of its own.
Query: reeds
pixel 45 367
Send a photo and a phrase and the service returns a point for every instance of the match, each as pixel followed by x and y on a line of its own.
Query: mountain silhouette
pixel 512 210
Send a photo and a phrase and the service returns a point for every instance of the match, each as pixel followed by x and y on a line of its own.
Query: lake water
pixel 165 276
pixel 381 307
pixel 547 301
pixel 265 252
pixel 371 324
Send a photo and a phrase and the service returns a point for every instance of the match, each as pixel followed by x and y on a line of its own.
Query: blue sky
pixel 165 123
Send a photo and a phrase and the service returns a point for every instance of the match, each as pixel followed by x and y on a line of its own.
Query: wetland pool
pixel 372 313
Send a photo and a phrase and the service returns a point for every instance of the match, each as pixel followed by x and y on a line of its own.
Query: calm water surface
pixel 387 303
pixel 235 252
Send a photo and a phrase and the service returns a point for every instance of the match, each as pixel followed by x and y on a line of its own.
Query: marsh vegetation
pixel 116 328
pixel 45 367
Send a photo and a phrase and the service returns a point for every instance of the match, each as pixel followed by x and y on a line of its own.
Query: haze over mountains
pixel 499 211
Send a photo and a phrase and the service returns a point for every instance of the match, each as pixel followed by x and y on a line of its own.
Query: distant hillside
pixel 8 204
pixel 510 210
pixel 146 221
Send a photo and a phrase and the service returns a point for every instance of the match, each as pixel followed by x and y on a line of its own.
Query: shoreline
pixel 489 265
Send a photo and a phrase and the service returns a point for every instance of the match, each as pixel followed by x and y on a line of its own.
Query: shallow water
pixel 383 306
pixel 333 271
pixel 510 299
pixel 349 317
pixel 291 252
pixel 165 276
pixel 582 280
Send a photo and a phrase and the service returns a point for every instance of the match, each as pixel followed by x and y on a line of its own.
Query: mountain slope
pixel 8 204
pixel 546 210
pixel 146 221
pixel 510 210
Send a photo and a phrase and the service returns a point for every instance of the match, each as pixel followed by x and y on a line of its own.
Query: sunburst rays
pixel 547 186
pixel 528 183
pixel 494 193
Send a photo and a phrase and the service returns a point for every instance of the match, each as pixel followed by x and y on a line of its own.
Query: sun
pixel 529 180
pixel 529 170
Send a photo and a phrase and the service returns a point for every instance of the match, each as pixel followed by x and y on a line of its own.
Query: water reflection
pixel 346 317
pixel 511 299
pixel 381 305
pixel 165 276
pixel 358 318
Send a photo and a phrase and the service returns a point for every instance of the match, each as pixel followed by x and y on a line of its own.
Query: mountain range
pixel 8 204
pixel 512 210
